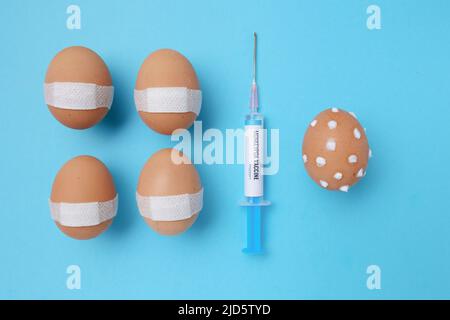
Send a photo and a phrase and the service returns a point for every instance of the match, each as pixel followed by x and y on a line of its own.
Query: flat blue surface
pixel 312 55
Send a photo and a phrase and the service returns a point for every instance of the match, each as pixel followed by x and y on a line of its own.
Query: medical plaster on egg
pixel 78 88
pixel 169 192
pixel 167 92
pixel 83 200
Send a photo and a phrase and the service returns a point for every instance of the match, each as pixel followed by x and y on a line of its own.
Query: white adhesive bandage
pixel 83 214
pixel 170 208
pixel 168 100
pixel 78 95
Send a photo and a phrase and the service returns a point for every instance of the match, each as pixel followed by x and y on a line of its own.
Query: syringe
pixel 254 167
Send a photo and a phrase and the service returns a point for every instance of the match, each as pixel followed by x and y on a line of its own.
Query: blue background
pixel 312 55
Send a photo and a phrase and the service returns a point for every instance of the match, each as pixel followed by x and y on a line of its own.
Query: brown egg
pixel 78 88
pixel 335 150
pixel 83 201
pixel 162 71
pixel 161 177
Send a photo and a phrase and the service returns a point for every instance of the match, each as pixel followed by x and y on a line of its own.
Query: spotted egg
pixel 335 150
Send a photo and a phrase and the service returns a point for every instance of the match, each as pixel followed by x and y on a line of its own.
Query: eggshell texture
pixel 335 150
pixel 162 177
pixel 78 64
pixel 83 179
pixel 167 68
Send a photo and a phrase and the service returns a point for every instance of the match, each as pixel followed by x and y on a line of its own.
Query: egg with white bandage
pixel 78 88
pixel 83 200
pixel 169 192
pixel 167 94
pixel 335 150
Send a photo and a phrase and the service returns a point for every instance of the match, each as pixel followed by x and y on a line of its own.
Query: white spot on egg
pixel 323 183
pixel 313 123
pixel 332 124
pixel 335 110
pixel 305 158
pixel 338 175
pixel 353 115
pixel 370 153
pixel 331 145
pixel 356 133
pixel 352 159
pixel 321 161
pixel 360 173
pixel 344 188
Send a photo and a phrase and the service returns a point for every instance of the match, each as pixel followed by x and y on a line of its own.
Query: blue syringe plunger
pixel 254 224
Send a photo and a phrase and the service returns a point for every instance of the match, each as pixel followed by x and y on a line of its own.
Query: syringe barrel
pixel 254 155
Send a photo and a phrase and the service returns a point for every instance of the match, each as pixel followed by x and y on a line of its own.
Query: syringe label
pixel 253 160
